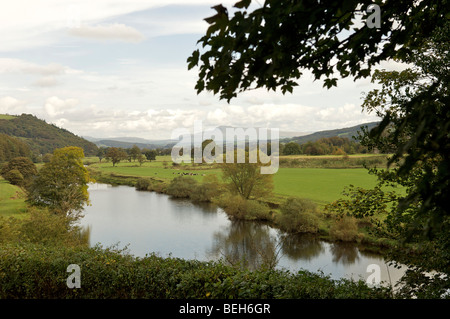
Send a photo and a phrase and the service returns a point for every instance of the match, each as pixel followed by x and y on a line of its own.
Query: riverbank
pixel 363 239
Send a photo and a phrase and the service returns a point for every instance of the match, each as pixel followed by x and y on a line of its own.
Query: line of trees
pixel 324 146
pixel 117 154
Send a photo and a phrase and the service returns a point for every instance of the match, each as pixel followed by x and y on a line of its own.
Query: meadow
pixel 12 200
pixel 313 178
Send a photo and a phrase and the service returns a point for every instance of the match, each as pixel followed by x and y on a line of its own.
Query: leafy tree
pixel 61 184
pixel 19 171
pixel 141 159
pixel 414 106
pixel 271 45
pixel 134 152
pixel 115 155
pixel 101 153
pixel 150 154
pixel 11 147
pixel 246 179
pixel 291 148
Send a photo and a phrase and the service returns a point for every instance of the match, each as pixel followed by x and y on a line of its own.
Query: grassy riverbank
pixel 312 182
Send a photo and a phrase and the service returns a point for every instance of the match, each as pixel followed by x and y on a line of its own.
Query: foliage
pixel 61 184
pixel 272 45
pixel 38 271
pixel 19 171
pixel 238 207
pixel 207 190
pixel 182 186
pixel 115 155
pixel 291 148
pixel 246 178
pixel 11 147
pixel 298 215
pixel 42 137
pixel 41 227
pixel 345 228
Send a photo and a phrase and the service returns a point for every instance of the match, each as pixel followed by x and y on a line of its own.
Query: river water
pixel 148 222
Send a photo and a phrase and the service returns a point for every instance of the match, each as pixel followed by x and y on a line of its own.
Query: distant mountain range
pixel 348 132
pixel 285 136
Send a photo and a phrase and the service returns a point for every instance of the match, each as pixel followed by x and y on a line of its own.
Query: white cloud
pixel 54 106
pixel 46 81
pixel 114 31
pixel 10 105
pixel 8 65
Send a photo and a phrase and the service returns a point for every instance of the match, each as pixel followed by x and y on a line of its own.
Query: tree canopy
pixel 61 184
pixel 272 45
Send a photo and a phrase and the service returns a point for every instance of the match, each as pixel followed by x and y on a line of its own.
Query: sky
pixel 113 68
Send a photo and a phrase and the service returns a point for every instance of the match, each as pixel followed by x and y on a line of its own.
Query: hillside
pixel 347 132
pixel 40 136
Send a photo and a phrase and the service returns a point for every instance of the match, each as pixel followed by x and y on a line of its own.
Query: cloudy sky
pixel 109 68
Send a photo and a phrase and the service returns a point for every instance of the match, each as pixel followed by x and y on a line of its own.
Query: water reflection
pixel 302 247
pixel 148 222
pixel 247 244
pixel 344 253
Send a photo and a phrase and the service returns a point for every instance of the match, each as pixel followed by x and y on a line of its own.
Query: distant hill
pixel 347 132
pixel 40 136
pixel 123 144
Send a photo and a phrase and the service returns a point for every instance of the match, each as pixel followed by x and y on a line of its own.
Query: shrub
pixel 14 177
pixel 143 184
pixel 298 215
pixel 182 187
pixel 345 229
pixel 207 190
pixel 42 227
pixel 240 208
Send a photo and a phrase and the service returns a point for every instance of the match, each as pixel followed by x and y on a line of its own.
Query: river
pixel 148 222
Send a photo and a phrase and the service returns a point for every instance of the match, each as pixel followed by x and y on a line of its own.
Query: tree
pixel 61 184
pixel 416 119
pixel 246 179
pixel 101 153
pixel 19 171
pixel 134 152
pixel 116 155
pixel 291 148
pixel 150 154
pixel 271 45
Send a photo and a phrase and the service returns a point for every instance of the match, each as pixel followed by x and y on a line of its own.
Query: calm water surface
pixel 148 222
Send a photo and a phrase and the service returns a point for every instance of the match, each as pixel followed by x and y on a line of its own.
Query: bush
pixel 345 229
pixel 182 187
pixel 42 227
pixel 298 215
pixel 240 208
pixel 14 177
pixel 207 190
pixel 143 184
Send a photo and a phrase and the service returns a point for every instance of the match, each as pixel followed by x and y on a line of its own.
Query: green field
pixel 12 200
pixel 322 185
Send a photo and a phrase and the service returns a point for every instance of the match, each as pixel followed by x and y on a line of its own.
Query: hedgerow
pixel 39 271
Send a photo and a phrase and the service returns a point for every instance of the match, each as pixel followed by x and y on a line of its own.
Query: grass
pixel 321 185
pixel 6 117
pixel 12 200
